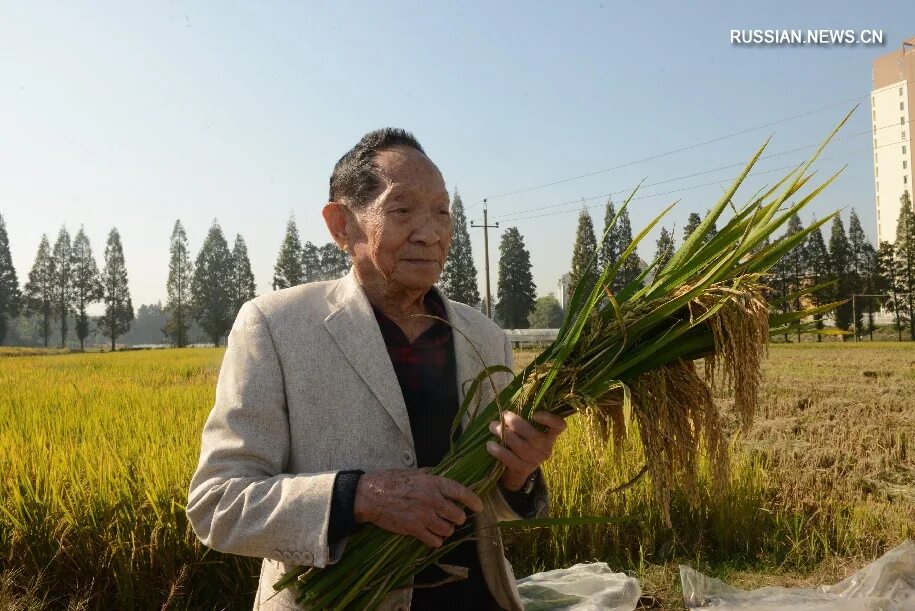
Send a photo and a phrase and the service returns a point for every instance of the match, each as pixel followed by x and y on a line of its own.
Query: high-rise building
pixel 892 100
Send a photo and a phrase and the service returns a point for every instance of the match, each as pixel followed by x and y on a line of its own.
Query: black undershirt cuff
pixel 342 502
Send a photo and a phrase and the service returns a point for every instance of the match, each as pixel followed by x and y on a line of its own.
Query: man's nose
pixel 426 230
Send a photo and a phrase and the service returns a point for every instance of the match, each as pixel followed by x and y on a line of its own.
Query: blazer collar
pixel 353 327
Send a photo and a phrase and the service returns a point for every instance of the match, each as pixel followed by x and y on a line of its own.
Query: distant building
pixel 562 294
pixel 892 100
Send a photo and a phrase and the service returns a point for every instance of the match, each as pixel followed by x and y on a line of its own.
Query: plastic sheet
pixel 887 584
pixel 582 587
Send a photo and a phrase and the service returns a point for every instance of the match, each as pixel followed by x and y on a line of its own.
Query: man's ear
pixel 338 219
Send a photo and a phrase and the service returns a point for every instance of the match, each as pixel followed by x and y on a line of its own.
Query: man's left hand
pixel 525 448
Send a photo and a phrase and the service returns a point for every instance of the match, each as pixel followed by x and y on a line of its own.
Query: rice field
pixel 96 451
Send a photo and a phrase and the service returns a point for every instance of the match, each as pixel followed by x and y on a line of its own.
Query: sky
pixel 133 115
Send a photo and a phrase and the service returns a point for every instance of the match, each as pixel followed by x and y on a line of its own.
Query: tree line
pixel 205 291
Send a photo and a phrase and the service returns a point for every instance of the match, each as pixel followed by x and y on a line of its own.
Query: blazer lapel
pixel 355 330
pixel 467 356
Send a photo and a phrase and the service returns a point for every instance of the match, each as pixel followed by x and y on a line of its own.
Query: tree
pixel 516 291
pixel 905 259
pixel 862 266
pixel 118 315
pixel 547 313
pixel 840 261
pixel 242 287
pixel 818 270
pixel 582 254
pixel 178 287
pixel 10 295
pixel 459 277
pixel 692 223
pixel 610 247
pixel 629 270
pixel 888 283
pixel 795 267
pixel 211 295
pixel 288 269
pixel 87 285
pixel 63 280
pixel 665 250
pixel 39 290
pixel 311 263
pixel 334 262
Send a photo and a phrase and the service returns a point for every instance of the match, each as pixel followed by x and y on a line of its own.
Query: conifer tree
pixel 334 262
pixel 630 270
pixel 665 250
pixel 905 259
pixel 840 261
pixel 582 253
pixel 795 266
pixel 63 280
pixel 311 263
pixel 242 286
pixel 118 315
pixel 211 295
pixel 180 275
pixel 516 292
pixel 610 248
pixel 459 277
pixel 819 271
pixel 10 295
pixel 39 290
pixel 288 269
pixel 87 284
pixel 862 265
pixel 692 223
pixel 888 283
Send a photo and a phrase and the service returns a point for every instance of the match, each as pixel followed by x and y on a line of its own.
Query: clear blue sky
pixel 130 115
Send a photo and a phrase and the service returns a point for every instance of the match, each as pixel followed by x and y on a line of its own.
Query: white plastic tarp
pixel 582 587
pixel 887 584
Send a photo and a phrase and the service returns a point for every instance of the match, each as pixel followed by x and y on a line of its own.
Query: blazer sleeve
pixel 541 499
pixel 240 500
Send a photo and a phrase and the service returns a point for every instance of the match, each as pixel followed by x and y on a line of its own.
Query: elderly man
pixel 335 396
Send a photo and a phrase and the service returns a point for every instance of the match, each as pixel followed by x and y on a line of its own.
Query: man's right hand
pixel 412 502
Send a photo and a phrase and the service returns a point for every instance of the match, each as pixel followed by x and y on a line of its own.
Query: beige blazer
pixel 307 389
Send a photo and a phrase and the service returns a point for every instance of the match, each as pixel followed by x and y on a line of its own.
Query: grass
pixel 96 452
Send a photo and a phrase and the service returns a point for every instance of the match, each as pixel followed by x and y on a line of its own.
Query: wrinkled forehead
pixel 405 167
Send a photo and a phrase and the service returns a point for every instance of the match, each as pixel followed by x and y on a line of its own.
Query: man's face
pixel 404 234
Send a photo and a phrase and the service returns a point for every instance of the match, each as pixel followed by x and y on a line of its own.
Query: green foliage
pixel 180 276
pixel 888 283
pixel 610 249
pixel 86 284
pixel 311 263
pixel 664 250
pixel 516 292
pixel 788 274
pixel 63 280
pixel 547 313
pixel 334 262
pixel 10 295
pixel 118 315
pixel 819 270
pixel 211 296
pixel 582 253
pixel 288 269
pixel 241 280
pixel 459 278
pixel 39 289
pixel 905 259
pixel 630 269
pixel 692 223
pixel 840 259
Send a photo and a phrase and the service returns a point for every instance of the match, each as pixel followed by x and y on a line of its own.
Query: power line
pixel 708 184
pixel 672 152
pixel 507 215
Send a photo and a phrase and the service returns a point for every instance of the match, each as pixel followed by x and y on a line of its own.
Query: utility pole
pixel 486 226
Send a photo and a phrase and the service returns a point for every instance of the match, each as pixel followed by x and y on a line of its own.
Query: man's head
pixel 389 208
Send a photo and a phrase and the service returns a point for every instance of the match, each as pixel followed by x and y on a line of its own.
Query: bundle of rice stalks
pixel 620 356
